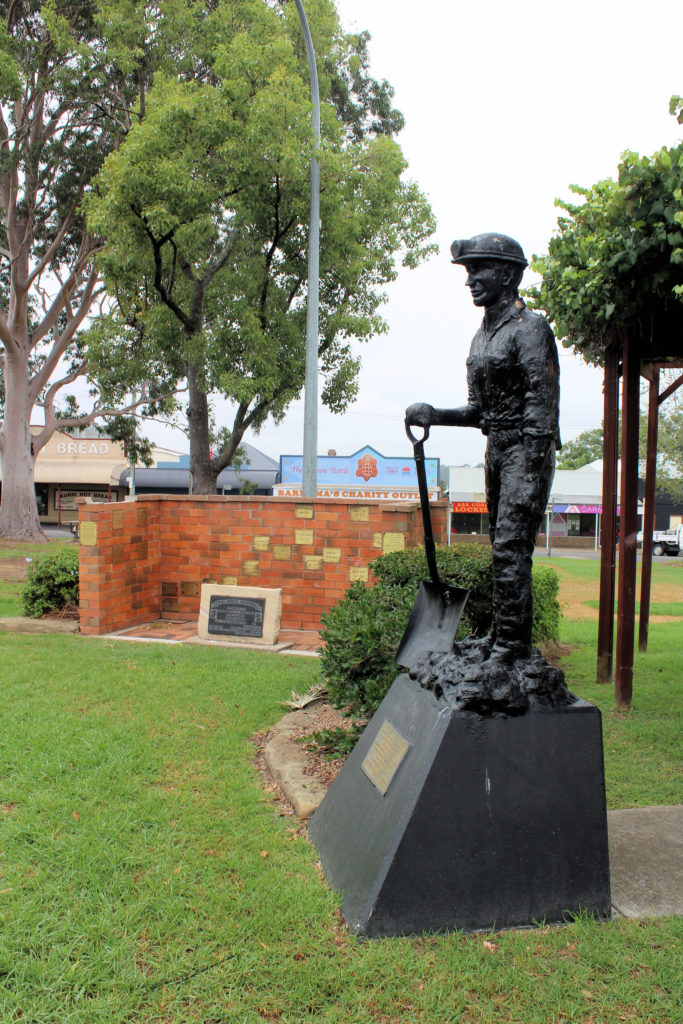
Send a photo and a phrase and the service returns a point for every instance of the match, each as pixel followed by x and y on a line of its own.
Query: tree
pixel 203 213
pixel 585 448
pixel 70 75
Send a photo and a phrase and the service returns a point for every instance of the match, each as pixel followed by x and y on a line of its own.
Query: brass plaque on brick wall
pixel 211 580
pixel 250 568
pixel 169 589
pixel 117 518
pixel 189 588
pixel 229 581
pixel 358 572
pixel 169 604
pixel 393 542
pixel 282 552
pixel 332 554
pixel 313 562
pixel 359 514
pixel 261 543
pixel 142 516
pixel 303 536
pixel 303 512
pixel 377 540
pixel 88 534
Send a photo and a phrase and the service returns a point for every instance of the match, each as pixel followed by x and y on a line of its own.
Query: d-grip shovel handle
pixel 430 550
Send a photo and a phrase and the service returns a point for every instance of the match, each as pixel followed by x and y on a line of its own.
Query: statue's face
pixel 487 280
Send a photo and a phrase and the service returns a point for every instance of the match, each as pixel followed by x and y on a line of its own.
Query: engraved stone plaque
pixel 282 552
pixel 303 536
pixel 88 534
pixel 359 514
pixel 117 519
pixel 303 512
pixel 384 757
pixel 358 572
pixel 313 562
pixel 393 542
pixel 332 554
pixel 261 543
pixel 247 614
pixel 189 588
pixel 236 616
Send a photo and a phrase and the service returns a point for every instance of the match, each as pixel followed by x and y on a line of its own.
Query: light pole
pixel 310 466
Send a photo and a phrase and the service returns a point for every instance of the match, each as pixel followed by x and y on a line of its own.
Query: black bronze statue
pixel 513 398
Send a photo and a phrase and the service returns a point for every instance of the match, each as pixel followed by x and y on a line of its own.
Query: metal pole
pixel 628 526
pixel 609 514
pixel 310 463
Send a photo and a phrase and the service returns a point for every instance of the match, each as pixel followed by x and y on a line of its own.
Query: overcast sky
pixel 506 105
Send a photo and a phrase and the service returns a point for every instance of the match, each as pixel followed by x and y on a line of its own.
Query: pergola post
pixel 649 510
pixel 628 524
pixel 608 538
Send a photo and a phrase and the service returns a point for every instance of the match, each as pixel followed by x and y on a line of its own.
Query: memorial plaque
pixel 261 543
pixel 377 540
pixel 117 519
pixel 87 534
pixel 303 536
pixel 384 757
pixel 169 589
pixel 229 580
pixel 240 613
pixel 282 552
pixel 169 604
pixel 393 542
pixel 189 588
pixel 332 554
pixel 359 514
pixel 303 512
pixel 250 568
pixel 142 516
pixel 236 616
pixel 358 572
pixel 313 562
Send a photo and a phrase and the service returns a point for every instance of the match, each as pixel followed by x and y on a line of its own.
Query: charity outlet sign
pixel 365 468
pixel 380 493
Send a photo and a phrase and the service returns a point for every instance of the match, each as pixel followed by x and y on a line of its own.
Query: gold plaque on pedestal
pixel 384 757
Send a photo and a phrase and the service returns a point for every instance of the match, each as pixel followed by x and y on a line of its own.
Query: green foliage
pixel 361 635
pixel 362 632
pixel 616 261
pixel 205 207
pixel 585 448
pixel 51 582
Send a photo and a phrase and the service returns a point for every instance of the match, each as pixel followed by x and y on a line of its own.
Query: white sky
pixel 506 105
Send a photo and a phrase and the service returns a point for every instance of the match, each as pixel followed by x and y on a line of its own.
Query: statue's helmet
pixel 490 246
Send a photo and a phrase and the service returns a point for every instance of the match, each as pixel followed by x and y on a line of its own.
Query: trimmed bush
pixel 361 633
pixel 51 583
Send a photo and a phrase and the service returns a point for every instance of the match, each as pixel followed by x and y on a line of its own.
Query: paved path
pixel 646 860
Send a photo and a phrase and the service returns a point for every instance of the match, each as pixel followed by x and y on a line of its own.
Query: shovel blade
pixel 433 622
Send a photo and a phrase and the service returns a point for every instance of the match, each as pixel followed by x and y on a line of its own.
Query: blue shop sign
pixel 364 467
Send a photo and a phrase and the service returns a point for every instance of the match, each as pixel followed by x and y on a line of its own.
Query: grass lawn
pixel 145 876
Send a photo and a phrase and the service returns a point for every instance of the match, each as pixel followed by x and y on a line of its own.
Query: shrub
pixel 547 611
pixel 51 583
pixel 362 632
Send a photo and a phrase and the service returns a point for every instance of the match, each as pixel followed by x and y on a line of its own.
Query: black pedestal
pixel 444 819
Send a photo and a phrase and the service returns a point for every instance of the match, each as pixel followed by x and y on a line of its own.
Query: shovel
pixel 436 613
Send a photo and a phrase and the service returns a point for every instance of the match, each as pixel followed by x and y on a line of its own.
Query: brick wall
pixel 146 559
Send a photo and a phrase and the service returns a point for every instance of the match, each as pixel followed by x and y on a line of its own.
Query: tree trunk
pixel 202 474
pixel 18 510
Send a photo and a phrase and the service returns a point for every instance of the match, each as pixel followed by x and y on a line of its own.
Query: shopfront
pixel 70 468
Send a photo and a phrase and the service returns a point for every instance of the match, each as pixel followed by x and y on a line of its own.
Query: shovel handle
pixel 430 550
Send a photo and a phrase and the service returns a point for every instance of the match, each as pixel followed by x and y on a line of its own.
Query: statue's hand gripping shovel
pixel 436 613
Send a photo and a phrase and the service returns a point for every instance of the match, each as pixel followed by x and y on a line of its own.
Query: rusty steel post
pixel 608 537
pixel 649 510
pixel 628 525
